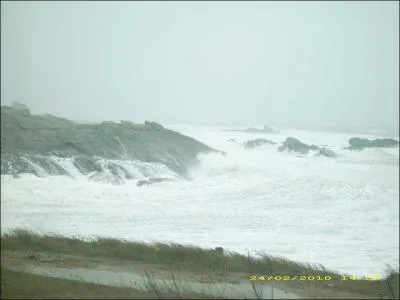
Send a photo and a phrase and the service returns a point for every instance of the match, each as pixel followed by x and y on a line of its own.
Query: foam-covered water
pixel 340 212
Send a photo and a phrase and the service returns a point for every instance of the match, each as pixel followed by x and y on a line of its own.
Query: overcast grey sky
pixel 326 63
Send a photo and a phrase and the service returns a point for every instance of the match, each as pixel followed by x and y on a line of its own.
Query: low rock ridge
pixel 357 143
pixel 265 129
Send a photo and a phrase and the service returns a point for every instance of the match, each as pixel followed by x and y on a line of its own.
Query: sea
pixel 342 213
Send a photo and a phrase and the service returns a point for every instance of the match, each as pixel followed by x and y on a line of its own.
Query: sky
pixel 333 63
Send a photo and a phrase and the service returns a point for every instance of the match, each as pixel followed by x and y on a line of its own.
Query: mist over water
pixel 340 212
pixel 312 64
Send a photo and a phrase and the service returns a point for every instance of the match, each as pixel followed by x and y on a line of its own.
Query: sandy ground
pixel 133 274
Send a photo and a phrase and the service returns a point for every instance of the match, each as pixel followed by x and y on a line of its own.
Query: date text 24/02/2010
pixel 310 277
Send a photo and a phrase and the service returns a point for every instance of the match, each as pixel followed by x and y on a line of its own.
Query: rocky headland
pixel 32 144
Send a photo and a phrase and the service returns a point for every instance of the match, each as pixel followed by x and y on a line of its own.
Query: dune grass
pixel 21 285
pixel 196 259
pixel 176 255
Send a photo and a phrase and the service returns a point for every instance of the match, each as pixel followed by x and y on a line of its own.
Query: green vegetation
pixel 196 259
pixel 186 257
pixel 20 285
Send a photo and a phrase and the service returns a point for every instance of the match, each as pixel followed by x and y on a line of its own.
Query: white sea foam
pixel 341 212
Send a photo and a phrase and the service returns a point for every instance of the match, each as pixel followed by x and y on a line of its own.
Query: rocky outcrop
pixel 256 143
pixel 30 139
pixel 15 164
pixel 266 129
pixel 357 143
pixel 20 108
pixel 295 145
pixel 153 125
pixel 326 152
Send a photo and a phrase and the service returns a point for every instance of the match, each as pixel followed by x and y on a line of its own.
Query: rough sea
pixel 340 212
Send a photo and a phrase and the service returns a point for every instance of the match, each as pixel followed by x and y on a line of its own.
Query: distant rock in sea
pixel 266 129
pixel 357 143
pixel 295 145
pixel 256 143
pixel 326 152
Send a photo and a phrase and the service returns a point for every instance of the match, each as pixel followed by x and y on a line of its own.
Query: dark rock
pixel 357 143
pixel 125 122
pixel 326 152
pixel 257 142
pixel 313 148
pixel 265 129
pixel 35 164
pixel 152 181
pixel 232 140
pixel 86 165
pixel 153 125
pixel 293 144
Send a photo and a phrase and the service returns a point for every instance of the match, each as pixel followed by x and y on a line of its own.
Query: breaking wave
pixel 107 170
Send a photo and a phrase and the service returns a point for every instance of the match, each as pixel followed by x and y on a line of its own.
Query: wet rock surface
pixel 151 181
pixel 292 144
pixel 265 129
pixel 28 140
pixel 357 143
pixel 256 143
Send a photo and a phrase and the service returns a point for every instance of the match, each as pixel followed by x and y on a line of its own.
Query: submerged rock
pixel 326 152
pixel 28 140
pixel 152 180
pixel 357 143
pixel 257 142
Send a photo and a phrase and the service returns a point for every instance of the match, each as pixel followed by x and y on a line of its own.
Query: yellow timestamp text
pixel 311 277
pixel 354 277
pixel 289 277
